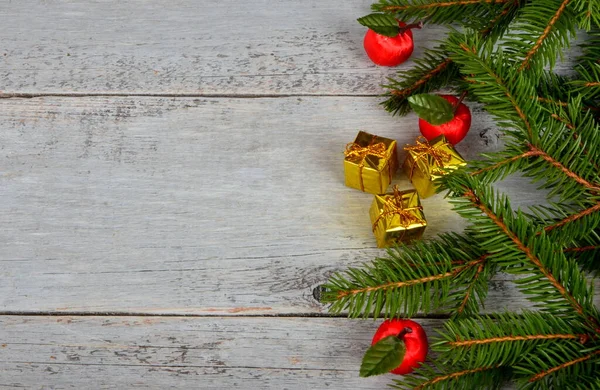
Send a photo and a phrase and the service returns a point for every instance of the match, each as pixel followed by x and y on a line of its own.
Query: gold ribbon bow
pixel 423 149
pixel 358 152
pixel 395 206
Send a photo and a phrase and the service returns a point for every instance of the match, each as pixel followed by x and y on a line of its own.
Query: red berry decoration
pixel 398 346
pixel 456 129
pixel 390 51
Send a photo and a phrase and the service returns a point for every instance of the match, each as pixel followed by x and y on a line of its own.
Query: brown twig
pixel 583 248
pixel 540 40
pixel 469 194
pixel 465 300
pixel 568 124
pixel 574 217
pixel 452 376
pixel 404 29
pixel 469 343
pixel 397 8
pixel 438 69
pixel 550 101
pixel 572 127
pixel 507 93
pixel 407 283
pixel 494 21
pixel 459 101
pixel 506 161
pixel 565 170
pixel 542 374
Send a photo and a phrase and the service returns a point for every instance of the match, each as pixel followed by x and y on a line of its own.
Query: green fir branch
pixel 556 366
pixel 552 136
pixel 588 84
pixel 553 89
pixel 586 251
pixel 552 282
pixel 436 375
pixel 434 71
pixel 489 75
pixel 495 28
pixel 590 48
pixel 588 14
pixel 504 339
pixel 441 11
pixel 410 280
pixel 566 223
pixel 469 298
pixel 539 33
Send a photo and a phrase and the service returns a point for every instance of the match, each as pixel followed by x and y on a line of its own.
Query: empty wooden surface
pixel 170 170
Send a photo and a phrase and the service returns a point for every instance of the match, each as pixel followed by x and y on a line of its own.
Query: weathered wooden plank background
pixel 168 170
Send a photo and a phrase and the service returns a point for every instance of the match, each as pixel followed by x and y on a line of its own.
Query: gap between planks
pixel 175 315
pixel 25 95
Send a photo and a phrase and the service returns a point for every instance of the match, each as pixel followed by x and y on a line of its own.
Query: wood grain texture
pixel 222 206
pixel 197 206
pixel 175 352
pixel 188 47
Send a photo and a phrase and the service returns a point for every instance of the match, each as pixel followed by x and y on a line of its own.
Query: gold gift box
pixel 370 163
pixel 397 217
pixel 426 161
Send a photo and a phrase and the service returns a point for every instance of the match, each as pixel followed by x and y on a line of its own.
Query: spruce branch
pixel 542 29
pixel 432 72
pixel 566 223
pixel 574 217
pixel 500 165
pixel 590 50
pixel 425 277
pixel 551 101
pixel 436 70
pixel 440 11
pixel 553 89
pixel 588 84
pixel 563 142
pixel 582 127
pixel 504 339
pixel 588 12
pixel 556 285
pixel 580 249
pixel 589 185
pixel 586 251
pixel 488 75
pixel 433 376
pixel 496 28
pixel 451 377
pixel 476 288
pixel 552 136
pixel 557 367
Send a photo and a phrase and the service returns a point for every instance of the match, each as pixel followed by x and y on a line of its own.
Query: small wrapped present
pixel 397 217
pixel 426 161
pixel 370 163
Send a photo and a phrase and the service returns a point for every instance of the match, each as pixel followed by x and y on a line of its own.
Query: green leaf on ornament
pixel 432 108
pixel 383 24
pixel 383 356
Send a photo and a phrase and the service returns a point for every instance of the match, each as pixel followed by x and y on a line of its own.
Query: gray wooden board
pixel 219 207
pixel 189 47
pixel 175 352
pixel 194 206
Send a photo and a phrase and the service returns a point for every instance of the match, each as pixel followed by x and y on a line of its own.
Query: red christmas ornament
pixel 454 130
pixel 390 51
pixel 414 338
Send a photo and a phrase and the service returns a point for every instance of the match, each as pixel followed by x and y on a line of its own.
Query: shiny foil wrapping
pixel 427 161
pixel 397 217
pixel 370 163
